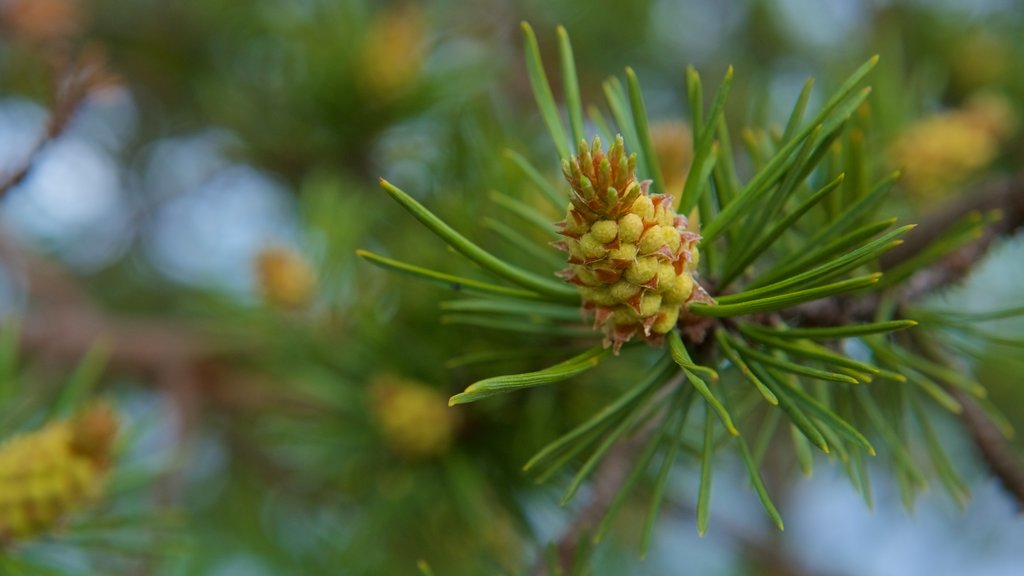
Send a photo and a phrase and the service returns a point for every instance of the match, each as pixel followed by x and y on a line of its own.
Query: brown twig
pixel 76 80
pixel 997 453
pixel 1006 196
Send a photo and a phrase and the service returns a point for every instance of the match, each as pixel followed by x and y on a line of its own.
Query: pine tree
pixel 795 274
pixel 617 320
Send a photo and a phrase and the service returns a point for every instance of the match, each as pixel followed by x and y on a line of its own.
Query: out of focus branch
pixel 1005 196
pixel 62 323
pixel 74 81
pixel 998 454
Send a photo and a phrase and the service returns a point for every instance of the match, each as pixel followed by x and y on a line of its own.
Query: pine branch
pixel 63 323
pixel 606 483
pixel 1006 196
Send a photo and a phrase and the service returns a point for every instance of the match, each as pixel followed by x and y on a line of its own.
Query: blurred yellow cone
pixel 47 474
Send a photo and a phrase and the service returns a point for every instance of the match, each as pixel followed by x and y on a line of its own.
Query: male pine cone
pixel 631 255
pixel 47 474
pixel 286 279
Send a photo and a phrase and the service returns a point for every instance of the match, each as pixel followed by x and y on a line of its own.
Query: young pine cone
pixel 286 278
pixel 413 418
pixel 629 252
pixel 47 474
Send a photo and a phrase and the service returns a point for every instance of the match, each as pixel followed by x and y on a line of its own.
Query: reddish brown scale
pixel 608 276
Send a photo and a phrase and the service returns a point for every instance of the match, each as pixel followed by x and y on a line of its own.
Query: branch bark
pixel 1006 196
pixel 998 454
pixel 74 81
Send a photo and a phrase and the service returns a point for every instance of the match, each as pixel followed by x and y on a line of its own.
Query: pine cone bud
pixel 942 152
pixel 47 474
pixel 414 419
pixel 286 279
pixel 391 59
pixel 629 252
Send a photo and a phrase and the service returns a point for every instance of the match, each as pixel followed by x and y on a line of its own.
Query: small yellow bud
pixel 573 225
pixel 605 231
pixel 666 275
pixel 667 319
pixel 600 296
pixel 623 291
pixel 414 419
pixel 592 248
pixel 624 317
pixel 643 207
pixel 680 290
pixel 665 215
pixel 653 239
pixel 649 303
pixel 641 271
pixel 673 239
pixel 631 226
pixel 286 279
pixel 586 275
pixel 625 252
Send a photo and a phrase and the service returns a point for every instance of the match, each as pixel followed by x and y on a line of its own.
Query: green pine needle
pixel 643 131
pixel 620 408
pixel 835 332
pixel 677 413
pixel 572 85
pixel 542 92
pixel 757 481
pixel 706 467
pixel 710 398
pixel 456 283
pixel 730 353
pixel 557 373
pixel 486 260
pixel 700 168
pixel 83 380
pixel 556 198
pixel 782 301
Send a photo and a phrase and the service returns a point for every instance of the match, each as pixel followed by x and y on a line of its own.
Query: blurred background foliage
pixel 199 209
